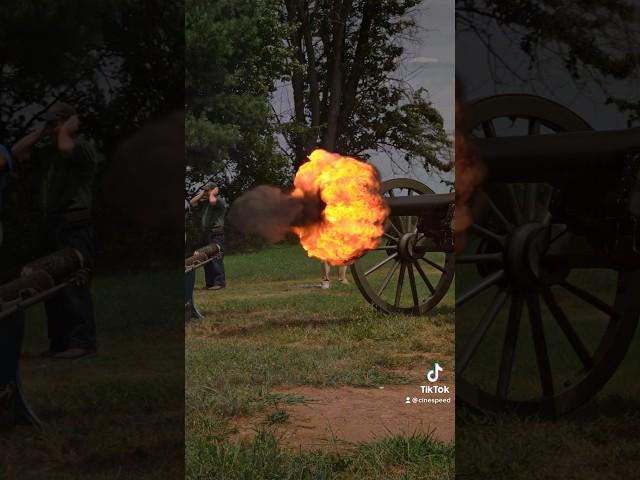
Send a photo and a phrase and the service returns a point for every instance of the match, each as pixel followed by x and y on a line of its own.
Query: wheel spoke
pixel 486 234
pixel 463 359
pixel 531 193
pixel 489 129
pixel 396 303
pixel 590 299
pixel 387 279
pixel 539 342
pixel 409 223
pixel 559 235
pixel 479 288
pixel 508 226
pixel 567 329
pixel 534 127
pixel 380 264
pixel 433 264
pixel 480 258
pixel 515 208
pixel 390 237
pixel 414 290
pixel 393 225
pixel 425 278
pixel 509 347
pixel 387 247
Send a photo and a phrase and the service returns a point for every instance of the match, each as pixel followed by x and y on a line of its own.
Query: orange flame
pixel 354 216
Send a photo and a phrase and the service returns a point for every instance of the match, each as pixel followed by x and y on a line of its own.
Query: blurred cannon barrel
pixel 543 158
pixel 42 274
pixel 418 204
pixel 39 279
pixel 201 256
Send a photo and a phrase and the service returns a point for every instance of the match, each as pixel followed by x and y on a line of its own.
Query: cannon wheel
pixel 511 214
pixel 420 282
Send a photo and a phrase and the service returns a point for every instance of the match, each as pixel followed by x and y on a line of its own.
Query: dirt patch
pixel 349 414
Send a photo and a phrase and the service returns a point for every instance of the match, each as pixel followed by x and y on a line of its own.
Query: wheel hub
pixel 524 257
pixel 407 247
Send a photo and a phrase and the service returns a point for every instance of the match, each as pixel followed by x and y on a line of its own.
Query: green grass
pixel 597 441
pixel 116 415
pixel 401 457
pixel 272 328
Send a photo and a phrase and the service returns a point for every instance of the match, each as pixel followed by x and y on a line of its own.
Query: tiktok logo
pixel 434 375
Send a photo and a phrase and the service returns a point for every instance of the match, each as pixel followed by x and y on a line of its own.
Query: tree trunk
pixel 314 94
pixel 335 73
pixel 357 68
pixel 297 82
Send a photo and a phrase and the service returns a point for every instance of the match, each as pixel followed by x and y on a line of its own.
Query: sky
pixel 478 72
pixel 430 64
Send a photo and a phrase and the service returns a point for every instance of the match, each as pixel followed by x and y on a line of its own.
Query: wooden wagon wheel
pixel 396 279
pixel 530 338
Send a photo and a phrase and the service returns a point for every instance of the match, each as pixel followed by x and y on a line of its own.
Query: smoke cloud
pixel 270 213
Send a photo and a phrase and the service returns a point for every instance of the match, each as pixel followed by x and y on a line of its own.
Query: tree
pixel 234 54
pixel 595 39
pixel 346 96
pixel 119 62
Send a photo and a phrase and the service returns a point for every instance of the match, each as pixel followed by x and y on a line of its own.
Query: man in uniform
pixel 68 166
pixel 213 229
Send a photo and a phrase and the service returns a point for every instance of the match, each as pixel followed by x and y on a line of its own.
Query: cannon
pixel 201 257
pixel 416 248
pixel 548 284
pixel 38 280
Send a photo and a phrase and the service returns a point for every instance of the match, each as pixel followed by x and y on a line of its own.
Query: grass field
pixel 599 440
pixel 272 334
pixel 118 415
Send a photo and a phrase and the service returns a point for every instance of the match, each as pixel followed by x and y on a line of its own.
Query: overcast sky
pixel 430 64
pixel 549 78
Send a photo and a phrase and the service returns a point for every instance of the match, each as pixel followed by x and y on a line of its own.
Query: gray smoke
pixel 270 213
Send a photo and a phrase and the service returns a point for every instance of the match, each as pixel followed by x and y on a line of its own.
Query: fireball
pixel 352 221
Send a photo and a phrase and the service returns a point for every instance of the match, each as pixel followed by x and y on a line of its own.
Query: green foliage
pixel 119 62
pixel 349 94
pixel 234 55
pixel 593 39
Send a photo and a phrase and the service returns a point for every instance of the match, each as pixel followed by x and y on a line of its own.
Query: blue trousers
pixel 70 314
pixel 214 271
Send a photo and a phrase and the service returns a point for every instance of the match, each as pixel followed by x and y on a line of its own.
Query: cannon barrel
pixel 42 274
pixel 560 156
pixel 419 204
pixel 40 279
pixel 201 256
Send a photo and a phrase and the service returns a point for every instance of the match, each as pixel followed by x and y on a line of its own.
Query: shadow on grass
pixel 245 330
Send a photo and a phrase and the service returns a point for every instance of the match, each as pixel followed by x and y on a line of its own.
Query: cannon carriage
pixel 413 267
pixel 548 293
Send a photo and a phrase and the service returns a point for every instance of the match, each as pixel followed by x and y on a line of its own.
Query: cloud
pixel 424 60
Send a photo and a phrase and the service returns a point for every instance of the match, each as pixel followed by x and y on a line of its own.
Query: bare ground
pixel 334 416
